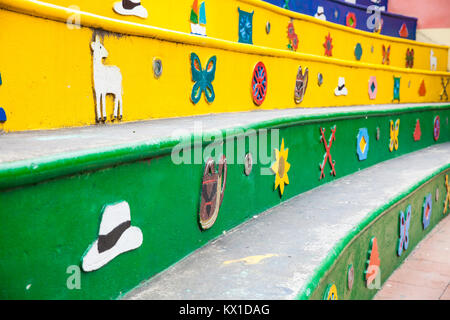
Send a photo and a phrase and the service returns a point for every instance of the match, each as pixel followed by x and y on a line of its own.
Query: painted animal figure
pixel 107 80
pixel 433 61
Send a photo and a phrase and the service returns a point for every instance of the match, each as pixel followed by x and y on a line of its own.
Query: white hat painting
pixel 130 8
pixel 320 14
pixel 116 236
pixel 341 90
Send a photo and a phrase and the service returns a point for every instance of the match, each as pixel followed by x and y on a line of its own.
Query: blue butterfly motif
pixel 404 230
pixel 203 78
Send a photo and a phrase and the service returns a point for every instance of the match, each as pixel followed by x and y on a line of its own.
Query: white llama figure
pixel 107 80
pixel 433 61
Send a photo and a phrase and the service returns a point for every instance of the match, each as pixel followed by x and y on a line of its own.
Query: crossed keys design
pixel 444 88
pixel 327 150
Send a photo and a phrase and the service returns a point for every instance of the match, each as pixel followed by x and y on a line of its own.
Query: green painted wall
pixel 384 226
pixel 50 213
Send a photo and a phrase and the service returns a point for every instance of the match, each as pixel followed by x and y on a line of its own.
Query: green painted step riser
pixel 46 227
pixel 385 227
pixel 24 172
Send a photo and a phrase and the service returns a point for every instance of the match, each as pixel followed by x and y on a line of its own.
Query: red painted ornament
pixel 328 45
pixel 293 38
pixel 351 20
pixel 422 89
pixel 403 32
pixel 259 83
pixel 417 131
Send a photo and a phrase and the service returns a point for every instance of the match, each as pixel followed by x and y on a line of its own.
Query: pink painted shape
pixel 430 13
pixel 373 94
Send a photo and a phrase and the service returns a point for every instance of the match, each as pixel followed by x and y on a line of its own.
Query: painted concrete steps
pixel 30 145
pixel 35 156
pixel 222 23
pixel 235 63
pixel 132 162
pixel 425 274
pixel 274 255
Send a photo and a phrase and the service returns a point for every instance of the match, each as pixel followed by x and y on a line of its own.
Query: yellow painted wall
pixel 222 22
pixel 47 73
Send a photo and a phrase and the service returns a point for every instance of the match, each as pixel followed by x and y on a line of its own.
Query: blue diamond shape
pixel 396 88
pixel 362 134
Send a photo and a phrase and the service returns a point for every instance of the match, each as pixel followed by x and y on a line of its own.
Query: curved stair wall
pixel 58 186
pixel 59 82
pixel 353 223
pixel 384 225
pixel 51 232
pixel 223 23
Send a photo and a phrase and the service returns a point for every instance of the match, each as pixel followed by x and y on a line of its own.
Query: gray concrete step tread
pixel 37 144
pixel 273 255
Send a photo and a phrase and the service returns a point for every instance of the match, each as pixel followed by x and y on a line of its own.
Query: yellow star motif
pixel 281 167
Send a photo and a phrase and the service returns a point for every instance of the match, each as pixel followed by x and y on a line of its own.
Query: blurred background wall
pixel 433 23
